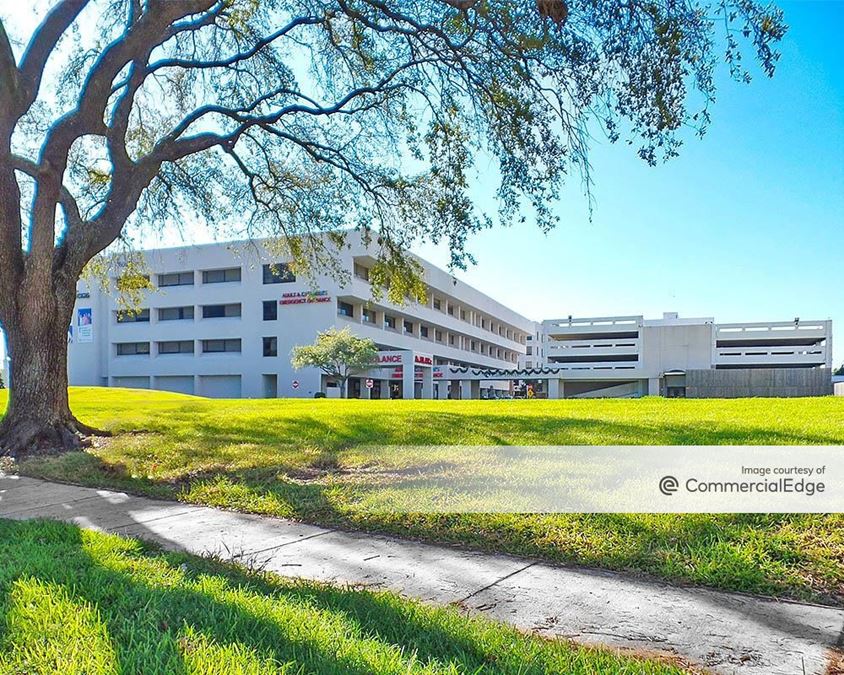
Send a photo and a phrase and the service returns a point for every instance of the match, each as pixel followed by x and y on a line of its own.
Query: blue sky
pixel 747 224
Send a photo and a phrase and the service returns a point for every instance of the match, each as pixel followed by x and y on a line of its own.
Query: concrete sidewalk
pixel 725 632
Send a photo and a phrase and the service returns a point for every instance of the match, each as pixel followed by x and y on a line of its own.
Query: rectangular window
pixel 176 347
pixel 270 346
pixel 451 310
pixel 389 322
pixel 423 331
pixel 408 327
pixel 270 310
pixel 462 315
pixel 140 316
pixel 221 276
pixel 345 309
pixel 438 336
pixel 133 349
pixel 368 316
pixel 473 346
pixel 361 272
pixel 451 340
pixel 175 279
pixel 221 311
pixel 219 346
pixel 529 351
pixel 278 274
pixel 437 303
pixel 176 313
pixel 132 282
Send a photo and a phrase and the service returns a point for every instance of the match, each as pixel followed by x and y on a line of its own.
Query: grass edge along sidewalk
pixel 300 459
pixel 76 601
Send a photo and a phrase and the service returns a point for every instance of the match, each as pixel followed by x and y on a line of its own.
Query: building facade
pixel 221 321
pixel 694 357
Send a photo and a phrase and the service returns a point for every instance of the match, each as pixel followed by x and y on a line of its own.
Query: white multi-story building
pixel 673 356
pixel 222 320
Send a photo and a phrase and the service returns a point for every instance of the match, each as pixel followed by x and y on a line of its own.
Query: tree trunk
pixel 38 419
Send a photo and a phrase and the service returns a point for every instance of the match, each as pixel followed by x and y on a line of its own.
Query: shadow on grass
pixel 147 601
pixel 261 461
pixel 394 425
pixel 754 553
pixel 422 428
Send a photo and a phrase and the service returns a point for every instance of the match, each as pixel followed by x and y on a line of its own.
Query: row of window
pixel 228 311
pixel 218 346
pixel 278 273
pixel 425 332
pixel 477 319
pixel 270 313
pixel 179 347
pixel 471 316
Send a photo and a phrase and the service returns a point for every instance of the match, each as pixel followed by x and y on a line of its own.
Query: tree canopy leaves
pixel 292 117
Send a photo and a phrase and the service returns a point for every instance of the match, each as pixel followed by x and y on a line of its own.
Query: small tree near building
pixel 337 353
pixel 840 371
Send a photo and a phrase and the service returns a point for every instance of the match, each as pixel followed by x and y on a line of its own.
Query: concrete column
pixel 427 383
pixel 442 389
pixel 653 386
pixel 408 387
pixel 476 389
pixel 554 388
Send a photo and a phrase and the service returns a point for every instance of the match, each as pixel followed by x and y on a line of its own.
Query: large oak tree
pixel 284 117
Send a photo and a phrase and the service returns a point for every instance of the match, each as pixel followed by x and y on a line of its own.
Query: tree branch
pixel 41 46
pixel 9 78
pixel 66 199
pixel 462 5
pixel 87 118
pixel 234 59
pixel 11 254
pixel 87 238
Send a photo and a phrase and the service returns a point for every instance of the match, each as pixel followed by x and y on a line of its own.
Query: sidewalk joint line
pixel 287 543
pixel 497 581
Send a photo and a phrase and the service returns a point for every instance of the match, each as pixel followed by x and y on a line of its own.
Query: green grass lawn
pixel 303 459
pixel 75 601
